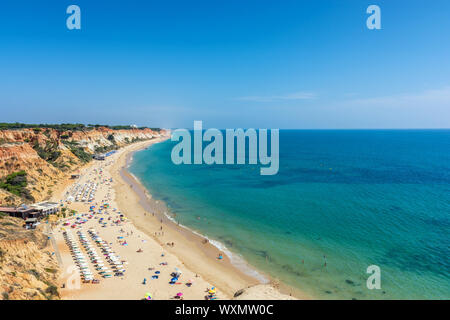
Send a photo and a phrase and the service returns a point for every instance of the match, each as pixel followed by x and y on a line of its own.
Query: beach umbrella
pixel 179 294
pixel 148 296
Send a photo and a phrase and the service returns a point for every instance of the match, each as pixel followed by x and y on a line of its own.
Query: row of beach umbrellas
pixel 108 253
pixel 78 256
pixel 93 256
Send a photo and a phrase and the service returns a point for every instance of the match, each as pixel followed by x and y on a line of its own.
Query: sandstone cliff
pixel 48 155
pixel 28 270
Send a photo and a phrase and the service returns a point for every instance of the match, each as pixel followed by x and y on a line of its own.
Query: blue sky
pixel 263 64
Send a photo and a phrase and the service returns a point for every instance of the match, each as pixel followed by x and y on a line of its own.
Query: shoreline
pixel 148 226
pixel 237 269
pixel 128 243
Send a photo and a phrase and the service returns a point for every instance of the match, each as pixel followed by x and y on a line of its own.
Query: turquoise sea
pixel 350 198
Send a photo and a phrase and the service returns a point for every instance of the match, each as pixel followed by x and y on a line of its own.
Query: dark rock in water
pixel 329 292
pixel 349 282
pixel 354 299
pixel 238 293
pixel 228 243
pixel 290 269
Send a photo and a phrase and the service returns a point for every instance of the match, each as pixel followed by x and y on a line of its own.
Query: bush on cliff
pixel 81 154
pixel 49 153
pixel 16 184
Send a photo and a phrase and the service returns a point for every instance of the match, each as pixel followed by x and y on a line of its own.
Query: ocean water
pixel 350 198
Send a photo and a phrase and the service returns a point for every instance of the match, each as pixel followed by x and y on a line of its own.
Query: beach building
pixel 46 208
pixel 23 211
pixel 99 157
pixel 110 153
pixel 32 211
pixel 103 156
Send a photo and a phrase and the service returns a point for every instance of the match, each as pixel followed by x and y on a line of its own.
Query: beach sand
pixel 147 228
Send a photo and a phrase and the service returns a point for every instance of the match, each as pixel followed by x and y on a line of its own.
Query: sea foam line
pixel 235 259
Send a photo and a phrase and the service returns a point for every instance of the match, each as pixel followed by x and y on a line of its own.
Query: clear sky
pixel 233 63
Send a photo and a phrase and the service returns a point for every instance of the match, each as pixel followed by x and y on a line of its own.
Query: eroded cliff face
pixel 48 155
pixel 41 175
pixel 100 137
pixel 90 138
pixel 28 270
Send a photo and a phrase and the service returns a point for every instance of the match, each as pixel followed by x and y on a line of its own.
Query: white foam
pixel 238 261
pixel 235 259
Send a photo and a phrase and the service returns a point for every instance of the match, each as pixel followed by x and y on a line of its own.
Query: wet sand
pixel 193 250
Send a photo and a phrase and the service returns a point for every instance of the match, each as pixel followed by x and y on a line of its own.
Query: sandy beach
pixel 151 246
